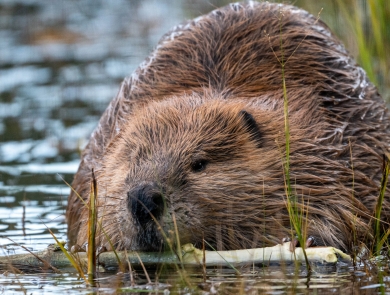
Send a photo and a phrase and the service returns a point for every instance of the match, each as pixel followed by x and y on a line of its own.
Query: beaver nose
pixel 145 201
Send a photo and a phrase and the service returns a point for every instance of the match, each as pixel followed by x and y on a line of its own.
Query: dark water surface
pixel 61 62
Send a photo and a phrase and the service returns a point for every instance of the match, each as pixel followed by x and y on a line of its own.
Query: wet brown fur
pixel 186 102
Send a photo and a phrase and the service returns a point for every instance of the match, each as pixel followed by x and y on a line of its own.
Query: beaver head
pixel 201 161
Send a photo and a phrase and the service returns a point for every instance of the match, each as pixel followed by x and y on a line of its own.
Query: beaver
pixel 194 142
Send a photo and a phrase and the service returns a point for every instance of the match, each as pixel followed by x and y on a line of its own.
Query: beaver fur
pixel 195 137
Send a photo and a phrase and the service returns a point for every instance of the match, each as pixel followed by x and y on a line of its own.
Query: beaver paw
pixel 101 249
pixel 310 242
pixel 84 248
pixel 76 248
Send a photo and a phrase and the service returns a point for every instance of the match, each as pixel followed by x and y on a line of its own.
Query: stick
pixel 190 257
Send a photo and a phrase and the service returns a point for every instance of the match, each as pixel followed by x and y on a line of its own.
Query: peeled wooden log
pixel 190 256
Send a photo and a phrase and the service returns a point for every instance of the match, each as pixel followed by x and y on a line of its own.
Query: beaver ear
pixel 252 127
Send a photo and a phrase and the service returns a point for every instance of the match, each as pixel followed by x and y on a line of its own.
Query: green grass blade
pixel 92 217
pixel 70 257
pixel 378 208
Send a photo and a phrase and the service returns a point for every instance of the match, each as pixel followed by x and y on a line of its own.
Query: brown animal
pixel 196 137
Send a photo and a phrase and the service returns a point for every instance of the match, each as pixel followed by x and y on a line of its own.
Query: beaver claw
pixel 84 248
pixel 310 242
pixel 77 248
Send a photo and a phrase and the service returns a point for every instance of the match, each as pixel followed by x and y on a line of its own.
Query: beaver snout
pixel 146 202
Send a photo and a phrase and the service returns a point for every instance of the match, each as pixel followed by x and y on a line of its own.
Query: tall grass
pixel 295 214
pixel 92 223
pixel 295 210
pixel 377 227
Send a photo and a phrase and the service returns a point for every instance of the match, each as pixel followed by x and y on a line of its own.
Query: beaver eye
pixel 198 165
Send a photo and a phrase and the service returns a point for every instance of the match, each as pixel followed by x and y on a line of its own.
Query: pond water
pixel 61 62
